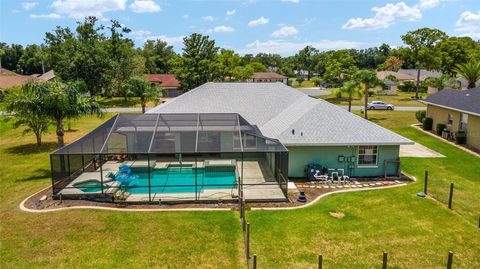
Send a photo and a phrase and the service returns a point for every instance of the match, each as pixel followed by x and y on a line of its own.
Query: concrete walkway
pixel 418 150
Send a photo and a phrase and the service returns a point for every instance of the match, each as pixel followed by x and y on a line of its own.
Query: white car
pixel 379 105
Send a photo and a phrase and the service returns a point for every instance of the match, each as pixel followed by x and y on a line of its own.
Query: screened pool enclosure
pixel 171 158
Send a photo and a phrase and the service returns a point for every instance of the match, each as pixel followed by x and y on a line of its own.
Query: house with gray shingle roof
pixel 459 111
pixel 313 130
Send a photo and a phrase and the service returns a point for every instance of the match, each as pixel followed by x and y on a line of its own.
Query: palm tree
pixel 442 82
pixel 469 71
pixel 62 101
pixel 351 89
pixel 139 87
pixel 26 108
pixel 369 80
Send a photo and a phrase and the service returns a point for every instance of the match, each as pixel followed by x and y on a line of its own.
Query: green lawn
pixel 94 238
pixel 416 232
pixel 402 99
pixel 121 102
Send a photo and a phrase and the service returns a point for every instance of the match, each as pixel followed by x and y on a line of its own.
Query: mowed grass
pixel 401 99
pixel 417 233
pixel 94 238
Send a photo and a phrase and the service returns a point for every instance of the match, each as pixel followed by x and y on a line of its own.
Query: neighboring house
pixel 167 81
pixel 47 76
pixel 9 79
pixel 391 86
pixel 401 77
pixel 459 110
pixel 268 77
pixel 423 73
pixel 313 130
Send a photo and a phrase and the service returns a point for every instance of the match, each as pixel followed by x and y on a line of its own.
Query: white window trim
pixel 367 165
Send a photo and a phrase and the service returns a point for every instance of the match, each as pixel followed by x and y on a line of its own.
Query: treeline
pixel 103 58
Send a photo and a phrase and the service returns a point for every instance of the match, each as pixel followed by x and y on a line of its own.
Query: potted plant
pixel 120 197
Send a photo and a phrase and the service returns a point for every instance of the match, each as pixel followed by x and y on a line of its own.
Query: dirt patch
pixel 338 215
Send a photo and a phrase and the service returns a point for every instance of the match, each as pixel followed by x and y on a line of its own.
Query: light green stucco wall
pixel 299 157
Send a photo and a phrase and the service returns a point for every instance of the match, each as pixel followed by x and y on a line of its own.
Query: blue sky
pixel 248 26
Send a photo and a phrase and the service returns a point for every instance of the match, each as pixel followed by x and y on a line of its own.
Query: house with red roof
pixel 167 81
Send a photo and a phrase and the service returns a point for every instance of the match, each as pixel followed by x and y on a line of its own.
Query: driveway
pixel 418 150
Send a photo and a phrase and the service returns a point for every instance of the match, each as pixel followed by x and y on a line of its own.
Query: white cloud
pixel 385 16
pixel 185 16
pixel 259 21
pixel 291 1
pixel 426 4
pixel 469 24
pixel 221 29
pixel 207 18
pixel 145 6
pixel 284 47
pixel 79 9
pixel 285 31
pixel 231 12
pixel 29 5
pixel 144 35
pixel 51 16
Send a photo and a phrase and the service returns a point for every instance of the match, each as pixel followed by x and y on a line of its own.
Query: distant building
pixel 268 77
pixel 47 76
pixel 9 79
pixel 459 111
pixel 167 81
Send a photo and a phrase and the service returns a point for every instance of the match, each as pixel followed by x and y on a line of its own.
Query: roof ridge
pixel 293 115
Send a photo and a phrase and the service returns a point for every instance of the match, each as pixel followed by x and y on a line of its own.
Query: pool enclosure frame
pixel 205 147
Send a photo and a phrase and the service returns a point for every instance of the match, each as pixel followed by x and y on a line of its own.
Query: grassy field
pixel 416 232
pixel 93 238
pixel 402 99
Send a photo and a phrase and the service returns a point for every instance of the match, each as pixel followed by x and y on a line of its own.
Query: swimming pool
pixel 171 180
pixel 180 180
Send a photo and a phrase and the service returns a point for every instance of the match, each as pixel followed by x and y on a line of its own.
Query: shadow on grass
pixel 40 173
pixel 374 119
pixel 32 148
pixel 71 130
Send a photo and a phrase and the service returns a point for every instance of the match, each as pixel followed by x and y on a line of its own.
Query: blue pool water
pixel 179 180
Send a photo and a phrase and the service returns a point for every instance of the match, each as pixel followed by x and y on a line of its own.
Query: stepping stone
pixel 319 187
pixel 340 187
pixel 359 186
pixel 372 184
pixel 378 183
pixel 365 185
pixel 347 186
pixel 333 187
pixel 354 186
pixel 312 186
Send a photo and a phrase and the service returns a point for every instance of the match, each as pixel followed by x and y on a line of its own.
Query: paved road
pixel 398 108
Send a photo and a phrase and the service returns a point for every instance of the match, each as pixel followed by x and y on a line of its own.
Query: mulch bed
pixel 311 190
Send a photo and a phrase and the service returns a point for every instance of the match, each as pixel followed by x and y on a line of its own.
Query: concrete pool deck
pixel 258 182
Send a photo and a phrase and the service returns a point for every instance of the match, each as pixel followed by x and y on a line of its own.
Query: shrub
pixel 440 127
pixel 300 81
pixel 420 115
pixel 411 86
pixel 371 93
pixel 427 124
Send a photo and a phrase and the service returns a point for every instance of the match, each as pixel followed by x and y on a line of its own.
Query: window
pixel 367 155
pixel 450 119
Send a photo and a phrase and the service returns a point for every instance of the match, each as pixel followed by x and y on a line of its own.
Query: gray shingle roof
pixel 278 109
pixel 466 100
